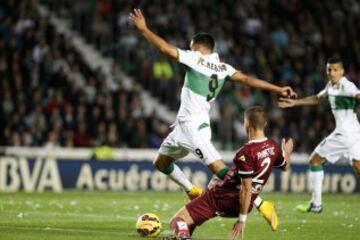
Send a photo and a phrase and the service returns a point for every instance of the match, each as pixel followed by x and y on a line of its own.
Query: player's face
pixel 334 72
pixel 193 46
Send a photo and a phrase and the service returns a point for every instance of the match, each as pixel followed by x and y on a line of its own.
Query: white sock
pixel 316 180
pixel 178 176
pixel 258 201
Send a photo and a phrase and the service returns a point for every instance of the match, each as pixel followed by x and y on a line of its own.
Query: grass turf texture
pixel 112 215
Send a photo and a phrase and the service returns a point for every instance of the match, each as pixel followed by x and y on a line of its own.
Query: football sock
pixel 178 176
pixel 222 173
pixel 316 180
pixel 258 201
pixel 179 226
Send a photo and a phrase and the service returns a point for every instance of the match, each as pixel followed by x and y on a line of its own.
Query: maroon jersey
pixel 255 159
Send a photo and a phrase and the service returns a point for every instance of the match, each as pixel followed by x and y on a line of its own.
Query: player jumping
pixel 344 141
pixel 233 197
pixel 205 77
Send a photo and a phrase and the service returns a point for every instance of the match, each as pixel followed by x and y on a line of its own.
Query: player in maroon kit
pixel 234 196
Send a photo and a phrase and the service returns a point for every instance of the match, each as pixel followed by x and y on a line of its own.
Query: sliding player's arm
pixel 245 201
pixel 139 20
pixel 287 147
pixel 261 84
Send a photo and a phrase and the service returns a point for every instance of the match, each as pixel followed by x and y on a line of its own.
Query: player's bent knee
pixel 356 166
pixel 162 162
pixel 183 214
pixel 316 160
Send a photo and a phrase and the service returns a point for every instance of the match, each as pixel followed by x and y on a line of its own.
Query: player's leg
pixel 169 152
pixel 356 166
pixel 199 210
pixel 198 143
pixel 331 149
pixel 181 223
pixel 166 165
pixel 219 168
pixel 316 180
pixel 267 210
pixel 355 153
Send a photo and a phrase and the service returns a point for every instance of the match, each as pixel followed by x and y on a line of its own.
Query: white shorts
pixel 340 145
pixel 190 136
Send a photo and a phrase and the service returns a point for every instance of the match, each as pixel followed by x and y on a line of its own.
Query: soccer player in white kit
pixel 204 79
pixel 344 141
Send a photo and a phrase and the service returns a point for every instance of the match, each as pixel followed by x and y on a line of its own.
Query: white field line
pixel 68 230
pixel 77 215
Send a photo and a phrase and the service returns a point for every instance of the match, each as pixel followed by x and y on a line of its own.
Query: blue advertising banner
pixel 37 175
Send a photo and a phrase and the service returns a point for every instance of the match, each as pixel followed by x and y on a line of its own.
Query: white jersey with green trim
pixel 343 102
pixel 204 79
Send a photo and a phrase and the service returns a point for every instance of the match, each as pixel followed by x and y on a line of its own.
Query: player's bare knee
pixel 159 163
pixel 316 160
pixel 162 161
pixel 356 166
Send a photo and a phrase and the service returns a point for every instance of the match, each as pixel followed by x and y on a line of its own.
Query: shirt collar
pixel 258 140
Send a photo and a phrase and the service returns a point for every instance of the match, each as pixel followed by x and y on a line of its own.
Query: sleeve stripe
pixel 245 172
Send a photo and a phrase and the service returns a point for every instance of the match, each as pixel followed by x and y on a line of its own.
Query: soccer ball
pixel 148 225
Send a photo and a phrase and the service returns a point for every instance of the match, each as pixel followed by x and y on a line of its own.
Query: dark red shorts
pixel 209 205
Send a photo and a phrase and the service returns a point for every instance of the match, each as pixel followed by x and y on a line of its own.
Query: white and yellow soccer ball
pixel 148 225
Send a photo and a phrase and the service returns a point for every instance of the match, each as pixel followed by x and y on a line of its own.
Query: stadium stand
pixel 44 77
pixel 50 96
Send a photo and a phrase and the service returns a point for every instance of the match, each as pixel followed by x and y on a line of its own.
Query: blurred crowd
pixel 50 97
pixel 285 42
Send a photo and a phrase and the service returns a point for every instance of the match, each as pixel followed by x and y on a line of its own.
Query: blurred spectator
pixel 50 97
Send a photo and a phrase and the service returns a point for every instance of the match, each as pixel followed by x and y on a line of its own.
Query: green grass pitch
pixel 112 215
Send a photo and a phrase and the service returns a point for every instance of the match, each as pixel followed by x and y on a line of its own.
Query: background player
pixel 344 141
pixel 252 167
pixel 204 79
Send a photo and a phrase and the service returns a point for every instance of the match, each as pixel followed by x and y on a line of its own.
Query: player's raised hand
pixel 138 19
pixel 286 102
pixel 238 228
pixel 288 92
pixel 287 145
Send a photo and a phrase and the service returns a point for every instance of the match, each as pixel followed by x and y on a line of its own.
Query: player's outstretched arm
pixel 261 84
pixel 245 200
pixel 139 20
pixel 287 102
pixel 287 147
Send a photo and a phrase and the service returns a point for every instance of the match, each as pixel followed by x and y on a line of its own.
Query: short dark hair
pixel 335 60
pixel 205 39
pixel 257 116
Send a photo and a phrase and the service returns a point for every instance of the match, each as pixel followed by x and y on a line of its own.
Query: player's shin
pixel 180 227
pixel 316 180
pixel 178 176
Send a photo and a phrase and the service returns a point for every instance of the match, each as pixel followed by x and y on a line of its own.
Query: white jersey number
pixel 266 164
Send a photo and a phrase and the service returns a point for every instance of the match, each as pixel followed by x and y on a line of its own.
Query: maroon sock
pixel 179 226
